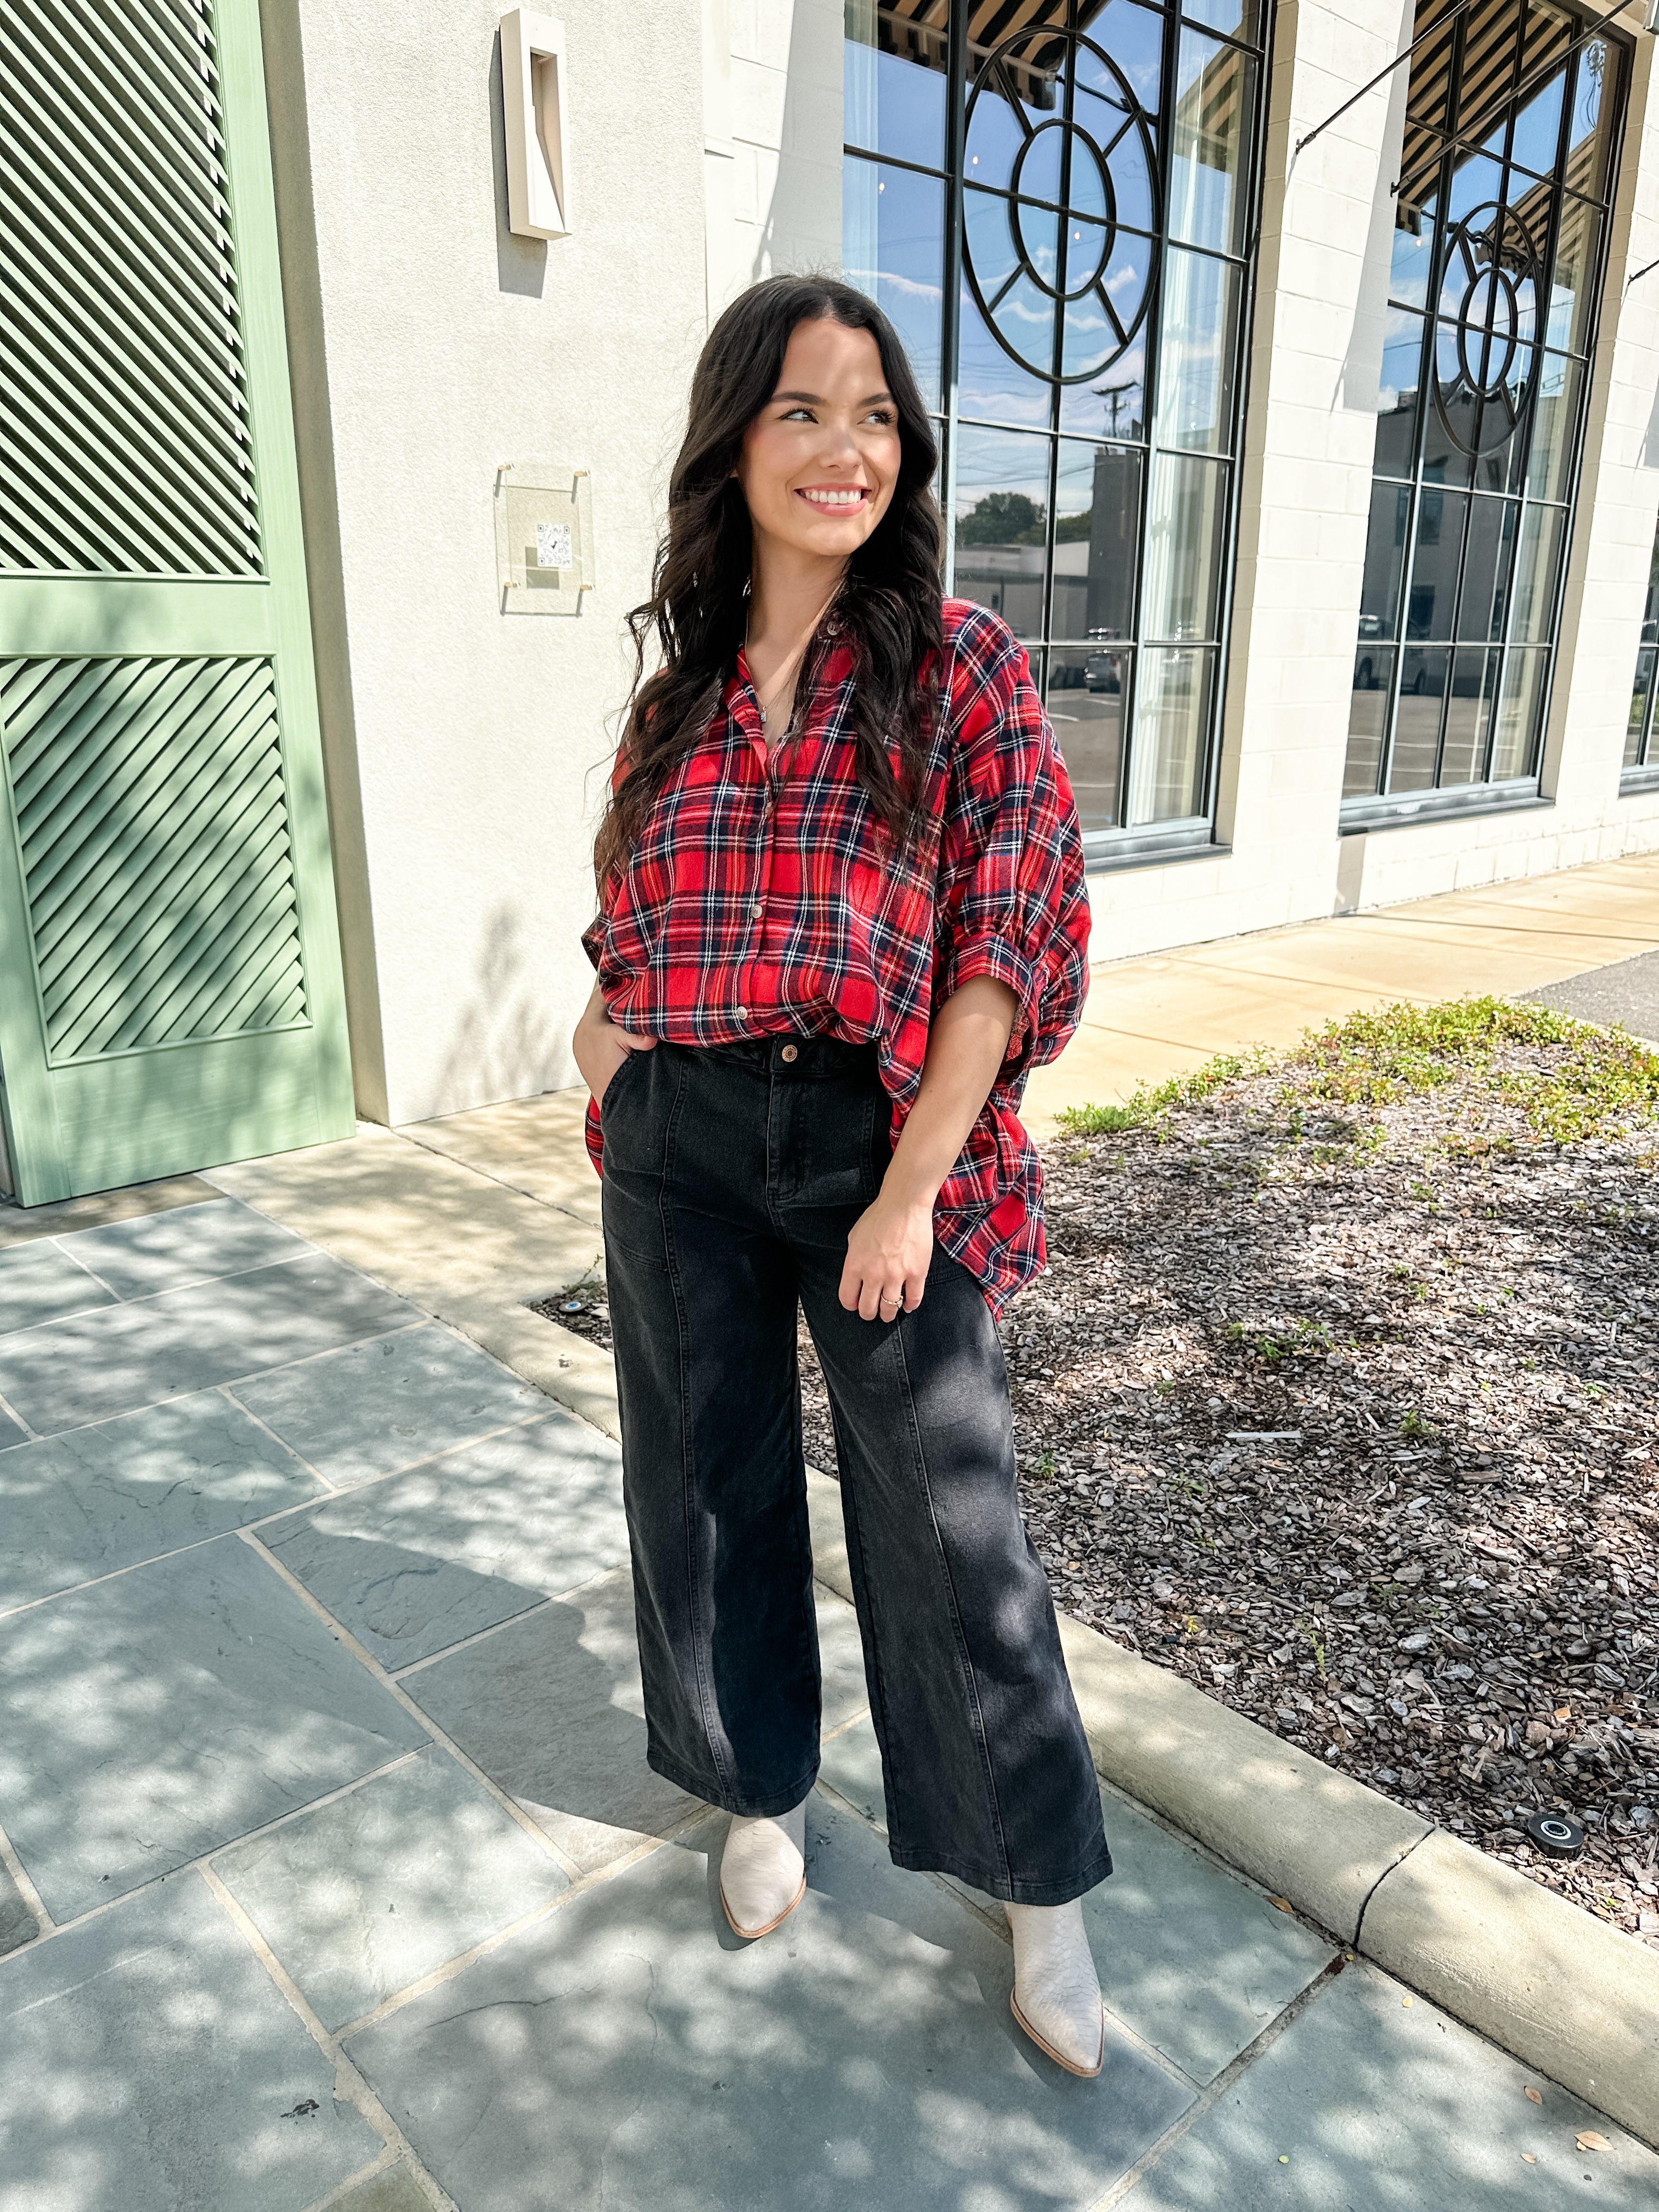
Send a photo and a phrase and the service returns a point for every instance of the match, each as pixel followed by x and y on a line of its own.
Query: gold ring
pixel 888 1299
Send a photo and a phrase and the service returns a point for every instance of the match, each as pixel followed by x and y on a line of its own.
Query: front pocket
pixel 609 1090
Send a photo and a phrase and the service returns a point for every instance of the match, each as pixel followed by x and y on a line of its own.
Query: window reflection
pixel 1469 700
pixel 1115 407
pixel 1636 728
pixel 1210 144
pixel 1373 674
pixel 1397 394
pixel 893 247
pixel 1641 745
pixel 1002 524
pixel 1133 36
pixel 1555 420
pixel 1090 408
pixel 1578 256
pixel 1385 562
pixel 1088 690
pixel 1183 547
pixel 1537 144
pixel 1416 748
pixel 1488 559
pixel 1196 355
pixel 1238 19
pixel 1588 135
pixel 1536 567
pixel 1500 236
pixel 893 86
pixel 1097 541
pixel 1515 747
pixel 993 386
pixel 1166 765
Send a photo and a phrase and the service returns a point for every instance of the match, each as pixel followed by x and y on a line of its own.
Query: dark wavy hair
pixel 888 606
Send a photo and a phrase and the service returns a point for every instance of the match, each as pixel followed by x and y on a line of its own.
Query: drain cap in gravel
pixel 1554 1834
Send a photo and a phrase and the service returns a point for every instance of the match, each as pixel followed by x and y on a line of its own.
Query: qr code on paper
pixel 553 545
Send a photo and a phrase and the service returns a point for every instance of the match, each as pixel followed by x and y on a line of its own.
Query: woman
pixel 842 914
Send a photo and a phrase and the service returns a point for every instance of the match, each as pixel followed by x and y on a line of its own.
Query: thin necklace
pixel 764 706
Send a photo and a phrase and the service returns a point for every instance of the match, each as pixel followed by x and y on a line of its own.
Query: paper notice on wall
pixel 553 545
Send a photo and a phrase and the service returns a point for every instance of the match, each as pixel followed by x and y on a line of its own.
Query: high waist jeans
pixel 732 1176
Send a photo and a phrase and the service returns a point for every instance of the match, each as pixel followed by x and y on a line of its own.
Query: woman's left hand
pixel 887 1257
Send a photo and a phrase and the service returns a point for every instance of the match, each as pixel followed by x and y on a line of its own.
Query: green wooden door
pixel 170 991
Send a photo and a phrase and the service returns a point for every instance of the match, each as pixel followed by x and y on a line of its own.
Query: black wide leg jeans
pixel 732 1176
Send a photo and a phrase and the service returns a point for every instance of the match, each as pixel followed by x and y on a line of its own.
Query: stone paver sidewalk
pixel 333 1873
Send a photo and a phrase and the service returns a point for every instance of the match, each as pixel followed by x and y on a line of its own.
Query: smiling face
pixel 820 461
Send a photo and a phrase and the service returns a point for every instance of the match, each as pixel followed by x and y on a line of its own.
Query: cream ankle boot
pixel 763 1870
pixel 1056 1995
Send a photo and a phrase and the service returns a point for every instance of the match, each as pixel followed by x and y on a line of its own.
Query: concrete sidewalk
pixel 334 1873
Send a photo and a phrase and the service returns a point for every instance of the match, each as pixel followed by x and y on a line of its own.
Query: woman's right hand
pixel 600 1046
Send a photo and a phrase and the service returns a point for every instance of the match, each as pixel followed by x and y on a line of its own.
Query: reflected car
pixel 1100 670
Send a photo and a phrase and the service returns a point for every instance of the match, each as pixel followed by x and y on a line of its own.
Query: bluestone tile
pixel 851 1763
pixel 1379 2103
pixel 628 2052
pixel 1194 1960
pixel 375 1408
pixel 375 1889
pixel 421 1560
pixel 17 1923
pixel 95 1499
pixel 551 1710
pixel 40 1282
pixel 394 2189
pixel 169 1710
pixel 187 1244
pixel 148 2062
pixel 66 1372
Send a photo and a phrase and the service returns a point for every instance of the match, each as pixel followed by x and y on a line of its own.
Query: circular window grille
pixel 1067 184
pixel 1489 290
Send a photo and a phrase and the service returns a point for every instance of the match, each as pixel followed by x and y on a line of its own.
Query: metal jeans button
pixel 790 1052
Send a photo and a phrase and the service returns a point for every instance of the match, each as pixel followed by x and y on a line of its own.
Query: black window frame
pixel 964 59
pixel 1465 140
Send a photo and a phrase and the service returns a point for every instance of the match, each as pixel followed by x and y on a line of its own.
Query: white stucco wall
pixel 430 346
pixel 774 124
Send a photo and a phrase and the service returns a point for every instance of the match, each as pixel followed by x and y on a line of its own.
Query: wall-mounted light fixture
pixel 534 111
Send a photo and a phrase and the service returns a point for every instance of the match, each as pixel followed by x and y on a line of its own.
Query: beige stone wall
pixel 466 747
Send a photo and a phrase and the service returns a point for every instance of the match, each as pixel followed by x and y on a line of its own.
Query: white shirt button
pixel 742 1013
pixel 756 911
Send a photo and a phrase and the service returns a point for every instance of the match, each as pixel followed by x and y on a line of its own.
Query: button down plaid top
pixel 763 901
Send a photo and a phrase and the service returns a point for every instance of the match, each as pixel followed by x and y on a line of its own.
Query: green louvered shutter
pixel 170 988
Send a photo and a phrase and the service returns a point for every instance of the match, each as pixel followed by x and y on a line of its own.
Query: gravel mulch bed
pixel 1339 1396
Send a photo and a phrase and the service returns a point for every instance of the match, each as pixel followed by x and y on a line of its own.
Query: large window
pixel 1056 204
pixel 1511 117
pixel 1641 771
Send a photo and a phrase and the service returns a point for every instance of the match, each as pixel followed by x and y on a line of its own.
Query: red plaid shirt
pixel 759 901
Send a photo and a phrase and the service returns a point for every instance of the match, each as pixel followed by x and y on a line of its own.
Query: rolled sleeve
pixel 1013 903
